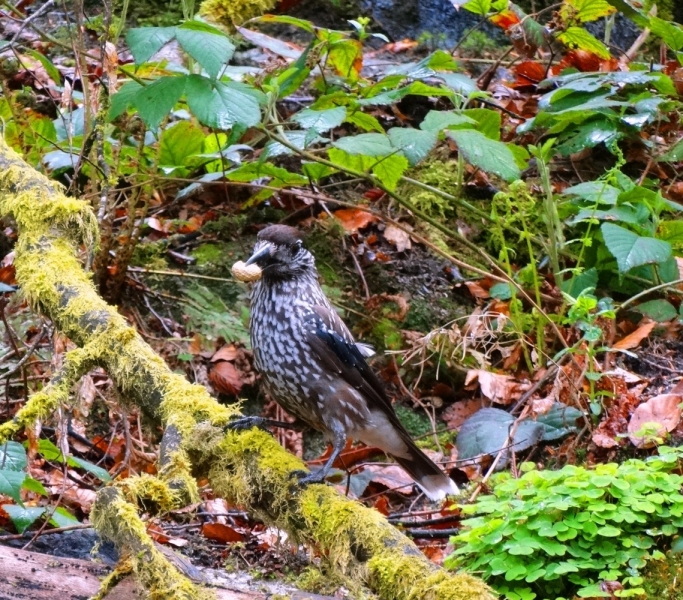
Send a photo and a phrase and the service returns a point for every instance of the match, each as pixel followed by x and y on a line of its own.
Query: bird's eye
pixel 296 247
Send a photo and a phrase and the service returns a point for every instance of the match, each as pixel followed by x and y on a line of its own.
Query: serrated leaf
pixel 632 250
pixel 13 456
pixel 206 44
pixel 413 143
pixel 298 139
pixel 478 7
pixel 587 10
pixel 156 100
pixel 594 191
pixel 98 472
pixel 223 104
pixel 257 170
pixel 10 483
pixel 487 121
pixel 658 310
pixel 462 84
pixel 63 518
pixel 578 37
pixel 49 451
pixel 124 98
pixel 368 144
pixel 438 120
pixel 581 282
pixel 390 169
pixel 23 517
pixel 33 485
pixel 178 142
pixel 320 120
pixel 486 154
pixel 145 42
pixel 49 67
pixel 364 121
pixel 346 56
pixel 671 34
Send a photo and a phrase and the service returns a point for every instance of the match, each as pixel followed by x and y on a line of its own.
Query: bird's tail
pixel 429 477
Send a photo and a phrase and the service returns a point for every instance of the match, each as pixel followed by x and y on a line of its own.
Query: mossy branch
pixel 249 468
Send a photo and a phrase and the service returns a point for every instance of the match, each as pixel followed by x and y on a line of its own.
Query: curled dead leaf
pixel 221 533
pixel 226 378
pixel 353 219
pixel 398 237
pixel 502 389
pixel 227 352
pixel 632 340
pixel 654 418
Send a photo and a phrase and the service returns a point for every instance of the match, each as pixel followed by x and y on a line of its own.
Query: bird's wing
pixel 331 340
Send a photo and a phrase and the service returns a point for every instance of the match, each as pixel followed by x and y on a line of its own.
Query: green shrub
pixel 557 534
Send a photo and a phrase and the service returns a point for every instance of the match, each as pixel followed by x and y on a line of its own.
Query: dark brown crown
pixel 280 235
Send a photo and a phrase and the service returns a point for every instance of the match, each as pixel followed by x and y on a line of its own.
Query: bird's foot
pixel 304 478
pixel 244 423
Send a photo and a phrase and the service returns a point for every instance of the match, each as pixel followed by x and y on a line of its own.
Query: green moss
pixel 441 174
pixel 662 578
pixel 387 334
pixel 208 254
pixel 118 520
pixel 234 12
pixel 151 255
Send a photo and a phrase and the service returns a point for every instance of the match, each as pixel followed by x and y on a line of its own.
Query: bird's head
pixel 280 253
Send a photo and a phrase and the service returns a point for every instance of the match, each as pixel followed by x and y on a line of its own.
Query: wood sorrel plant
pixel 559 534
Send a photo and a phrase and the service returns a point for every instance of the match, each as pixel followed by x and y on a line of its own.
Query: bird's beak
pixel 259 256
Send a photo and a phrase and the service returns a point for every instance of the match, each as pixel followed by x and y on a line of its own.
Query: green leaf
pixel 13 456
pixel 10 483
pixel 49 67
pixel 145 42
pixel 206 44
pixel 389 170
pixel 459 83
pixel 346 56
pixel 632 250
pixel 589 135
pixel 578 37
pixel 478 7
pixel 671 34
pixel 609 531
pixel 364 121
pixel 98 472
pixel 488 155
pixel 559 421
pixel 437 120
pixel 413 143
pixel 23 517
pixel 178 142
pixel 320 120
pixel 62 518
pixel 587 10
pixel 594 191
pixel 284 19
pixel 124 98
pixel 674 154
pixel 49 451
pixel 257 170
pixel 223 104
pixel 581 282
pixel 156 100
pixel 316 171
pixel 658 310
pixel 368 144
pixel 33 485
pixel 487 121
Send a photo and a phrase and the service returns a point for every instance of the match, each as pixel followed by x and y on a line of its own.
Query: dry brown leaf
pixel 502 389
pixel 654 418
pixel 226 378
pixel 227 352
pixel 541 406
pixel 398 237
pixel 353 219
pixel 477 290
pixel 603 440
pixel 218 508
pixel 632 340
pixel 455 415
pixel 221 533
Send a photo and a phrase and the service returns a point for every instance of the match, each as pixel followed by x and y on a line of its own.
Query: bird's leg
pixel 244 423
pixel 338 444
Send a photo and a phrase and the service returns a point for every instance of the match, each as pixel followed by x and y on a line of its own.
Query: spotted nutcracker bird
pixel 311 365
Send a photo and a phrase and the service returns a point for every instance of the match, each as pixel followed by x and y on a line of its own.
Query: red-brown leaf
pixel 226 378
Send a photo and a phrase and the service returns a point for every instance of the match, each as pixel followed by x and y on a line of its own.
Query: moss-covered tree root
pixel 247 467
